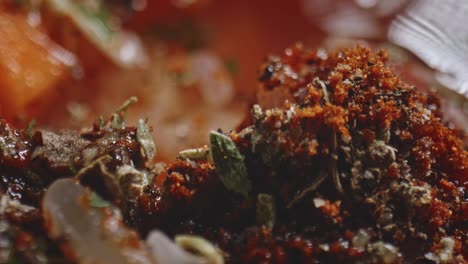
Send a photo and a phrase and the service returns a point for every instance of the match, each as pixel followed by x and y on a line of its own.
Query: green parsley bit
pixel 229 164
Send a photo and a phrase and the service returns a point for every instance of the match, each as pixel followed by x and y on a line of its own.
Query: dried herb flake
pixel 265 210
pixel 30 129
pixel 145 139
pixel 229 164
pixel 117 120
pixel 195 154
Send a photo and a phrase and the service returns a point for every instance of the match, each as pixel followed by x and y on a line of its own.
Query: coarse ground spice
pixel 356 165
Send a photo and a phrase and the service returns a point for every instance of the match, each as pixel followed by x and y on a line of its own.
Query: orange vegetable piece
pixel 30 63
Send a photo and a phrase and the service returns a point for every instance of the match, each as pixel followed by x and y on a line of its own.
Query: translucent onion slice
pixel 90 234
pixel 123 48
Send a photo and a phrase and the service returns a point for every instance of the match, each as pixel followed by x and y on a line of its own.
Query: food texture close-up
pixel 216 131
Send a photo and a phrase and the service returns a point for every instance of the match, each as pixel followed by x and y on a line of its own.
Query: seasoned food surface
pixel 339 162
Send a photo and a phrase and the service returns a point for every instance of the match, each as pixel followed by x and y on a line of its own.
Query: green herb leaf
pixel 94 22
pixel 30 129
pixel 145 139
pixel 98 17
pixel 229 164
pixel 265 210
pixel 98 25
pixel 96 201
